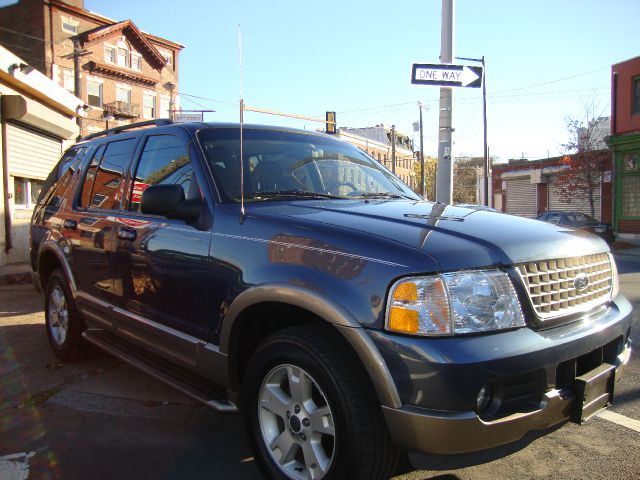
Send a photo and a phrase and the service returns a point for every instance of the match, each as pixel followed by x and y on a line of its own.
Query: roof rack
pixel 158 123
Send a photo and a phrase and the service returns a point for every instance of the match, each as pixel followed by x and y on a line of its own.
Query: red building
pixel 528 188
pixel 624 142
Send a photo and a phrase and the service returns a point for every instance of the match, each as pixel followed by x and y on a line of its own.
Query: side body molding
pixel 326 309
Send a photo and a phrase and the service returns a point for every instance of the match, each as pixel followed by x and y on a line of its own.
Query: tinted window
pixel 108 169
pixel 164 160
pixel 57 181
pixel 91 176
pixel 553 218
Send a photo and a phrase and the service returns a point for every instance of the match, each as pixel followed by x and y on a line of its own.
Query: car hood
pixel 457 238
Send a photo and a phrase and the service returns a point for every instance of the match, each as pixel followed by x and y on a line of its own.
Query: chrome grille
pixel 551 284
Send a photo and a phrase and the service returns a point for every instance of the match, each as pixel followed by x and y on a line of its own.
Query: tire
pixel 63 322
pixel 310 411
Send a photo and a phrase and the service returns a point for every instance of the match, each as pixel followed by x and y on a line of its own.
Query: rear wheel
pixel 64 325
pixel 310 412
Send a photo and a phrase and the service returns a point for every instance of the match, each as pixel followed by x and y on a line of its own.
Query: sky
pixel 547 61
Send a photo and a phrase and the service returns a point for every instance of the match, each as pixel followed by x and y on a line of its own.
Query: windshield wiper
pixel 291 193
pixel 380 195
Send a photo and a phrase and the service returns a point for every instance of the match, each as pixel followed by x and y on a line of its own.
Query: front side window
pixel 164 160
pixel 94 94
pixel 278 165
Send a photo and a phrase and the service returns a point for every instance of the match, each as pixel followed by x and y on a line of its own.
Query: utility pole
pixel 422 183
pixel 486 147
pixel 444 173
pixel 78 52
pixel 393 148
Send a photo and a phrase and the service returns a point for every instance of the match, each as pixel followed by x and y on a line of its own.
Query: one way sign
pixel 446 75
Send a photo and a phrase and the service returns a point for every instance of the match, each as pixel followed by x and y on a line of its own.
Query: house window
pixel 68 81
pixel 94 94
pixel 635 95
pixel 69 25
pixel 136 62
pixel 123 54
pixel 123 97
pixel 26 192
pixel 149 106
pixel 165 107
pixel 109 54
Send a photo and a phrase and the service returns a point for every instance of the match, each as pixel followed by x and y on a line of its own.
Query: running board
pixel 169 374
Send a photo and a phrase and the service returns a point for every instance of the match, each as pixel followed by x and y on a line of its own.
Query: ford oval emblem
pixel 581 282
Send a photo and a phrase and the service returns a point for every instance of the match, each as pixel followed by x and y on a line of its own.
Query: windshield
pixel 580 219
pixel 281 165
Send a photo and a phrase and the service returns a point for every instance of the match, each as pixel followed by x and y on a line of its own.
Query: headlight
pixel 460 302
pixel 615 286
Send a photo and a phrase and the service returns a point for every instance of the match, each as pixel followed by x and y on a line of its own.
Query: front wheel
pixel 310 414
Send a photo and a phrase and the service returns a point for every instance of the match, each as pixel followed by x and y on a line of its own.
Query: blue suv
pixel 288 275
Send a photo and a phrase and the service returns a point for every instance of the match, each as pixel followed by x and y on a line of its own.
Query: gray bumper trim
pixel 459 432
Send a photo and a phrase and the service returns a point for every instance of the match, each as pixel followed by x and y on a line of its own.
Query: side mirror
pixel 169 201
pixel 161 199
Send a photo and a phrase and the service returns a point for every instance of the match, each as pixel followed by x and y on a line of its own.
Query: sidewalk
pixel 15 273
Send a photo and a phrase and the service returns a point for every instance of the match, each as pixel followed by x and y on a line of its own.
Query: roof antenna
pixel 242 211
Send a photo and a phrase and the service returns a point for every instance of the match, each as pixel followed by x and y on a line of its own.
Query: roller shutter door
pixel 31 154
pixel 522 197
pixel 578 203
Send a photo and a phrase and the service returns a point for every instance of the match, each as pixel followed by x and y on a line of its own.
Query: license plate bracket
pixel 594 391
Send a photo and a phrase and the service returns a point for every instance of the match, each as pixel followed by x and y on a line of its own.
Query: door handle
pixel 126 234
pixel 70 224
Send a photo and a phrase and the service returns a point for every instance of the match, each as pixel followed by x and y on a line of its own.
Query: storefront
pixel 37 119
pixel 625 144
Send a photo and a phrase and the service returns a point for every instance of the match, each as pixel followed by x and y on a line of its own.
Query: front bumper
pixel 438 382
pixel 460 432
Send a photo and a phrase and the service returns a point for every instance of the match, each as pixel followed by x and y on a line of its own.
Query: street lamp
pixel 171 87
pixel 108 118
pixel 484 115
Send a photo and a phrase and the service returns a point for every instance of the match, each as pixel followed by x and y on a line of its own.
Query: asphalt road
pixel 100 419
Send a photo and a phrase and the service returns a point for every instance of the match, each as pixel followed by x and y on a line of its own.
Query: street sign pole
pixel 444 173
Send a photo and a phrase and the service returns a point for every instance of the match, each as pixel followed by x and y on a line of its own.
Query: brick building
pixel 121 73
pixel 624 142
pixel 376 141
pixel 528 188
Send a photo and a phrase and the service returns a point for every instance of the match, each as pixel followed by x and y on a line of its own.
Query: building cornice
pixel 129 29
pixel 102 20
pixel 119 73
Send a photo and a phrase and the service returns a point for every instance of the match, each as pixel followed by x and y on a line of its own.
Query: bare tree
pixel 586 158
pixel 429 176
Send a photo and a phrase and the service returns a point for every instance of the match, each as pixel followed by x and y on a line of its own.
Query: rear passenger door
pixel 88 227
pixel 161 264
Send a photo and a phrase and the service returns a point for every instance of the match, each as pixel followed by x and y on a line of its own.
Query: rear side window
pixel 164 160
pixel 103 185
pixel 56 183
